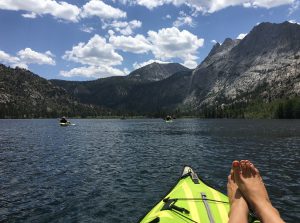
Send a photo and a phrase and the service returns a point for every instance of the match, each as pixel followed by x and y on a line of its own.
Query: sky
pixel 91 39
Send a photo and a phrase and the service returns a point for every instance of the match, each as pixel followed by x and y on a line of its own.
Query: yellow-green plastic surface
pixel 189 197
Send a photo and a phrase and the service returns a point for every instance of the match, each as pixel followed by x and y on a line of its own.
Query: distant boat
pixel 169 118
pixel 64 122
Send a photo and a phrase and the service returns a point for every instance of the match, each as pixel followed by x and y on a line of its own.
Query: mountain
pixel 257 76
pixel 156 72
pixel 263 66
pixel 26 95
pixel 129 93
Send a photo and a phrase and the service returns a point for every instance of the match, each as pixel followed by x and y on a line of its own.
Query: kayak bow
pixel 190 201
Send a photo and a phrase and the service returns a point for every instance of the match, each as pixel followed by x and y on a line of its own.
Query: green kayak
pixel 190 201
pixel 66 123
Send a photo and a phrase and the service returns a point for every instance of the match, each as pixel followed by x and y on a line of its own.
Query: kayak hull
pixel 65 124
pixel 190 200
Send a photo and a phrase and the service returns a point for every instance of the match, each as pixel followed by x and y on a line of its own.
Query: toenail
pixel 235 164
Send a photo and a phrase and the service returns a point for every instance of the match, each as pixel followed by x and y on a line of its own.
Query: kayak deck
pixel 191 200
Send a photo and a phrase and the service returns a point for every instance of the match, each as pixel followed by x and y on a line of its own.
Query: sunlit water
pixel 116 170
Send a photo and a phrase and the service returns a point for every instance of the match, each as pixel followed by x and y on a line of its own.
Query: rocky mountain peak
pixel 219 51
pixel 269 37
pixel 156 71
pixel 268 56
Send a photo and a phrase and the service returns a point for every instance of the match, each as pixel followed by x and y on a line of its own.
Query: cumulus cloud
pixel 8 59
pixel 213 41
pixel 95 52
pixel 98 58
pixel 137 44
pixel 241 35
pixel 210 6
pixel 29 56
pixel 63 10
pixel 184 19
pixel 151 4
pixel 100 9
pixel 165 44
pixel 125 28
pixel 93 72
pixel 190 64
pixel 60 10
pixel 25 57
pixel 98 54
pixel 31 15
pixel 173 43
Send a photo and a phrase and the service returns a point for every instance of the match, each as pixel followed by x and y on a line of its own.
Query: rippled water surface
pixel 115 170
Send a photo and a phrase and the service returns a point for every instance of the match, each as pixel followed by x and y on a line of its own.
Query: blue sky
pixel 90 39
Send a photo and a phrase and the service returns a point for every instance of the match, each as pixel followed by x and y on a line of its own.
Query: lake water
pixel 116 170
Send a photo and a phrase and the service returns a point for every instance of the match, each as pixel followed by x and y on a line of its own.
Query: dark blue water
pixel 115 170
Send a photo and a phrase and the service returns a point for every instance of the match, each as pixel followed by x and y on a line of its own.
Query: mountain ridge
pixel 262 68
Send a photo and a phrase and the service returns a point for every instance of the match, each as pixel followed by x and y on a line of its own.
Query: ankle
pixel 238 213
pixel 267 213
pixel 240 208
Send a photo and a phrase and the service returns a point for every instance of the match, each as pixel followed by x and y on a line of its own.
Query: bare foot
pixel 251 185
pixel 238 206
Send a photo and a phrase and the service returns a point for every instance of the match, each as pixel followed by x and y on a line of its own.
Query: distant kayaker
pixel 245 187
pixel 168 118
pixel 63 120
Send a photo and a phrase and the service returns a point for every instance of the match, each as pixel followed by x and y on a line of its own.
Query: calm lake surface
pixel 116 170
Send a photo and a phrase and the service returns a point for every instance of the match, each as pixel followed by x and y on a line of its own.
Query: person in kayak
pixel 245 187
pixel 63 120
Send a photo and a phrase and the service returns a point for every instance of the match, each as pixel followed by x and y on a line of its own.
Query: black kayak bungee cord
pixel 199 199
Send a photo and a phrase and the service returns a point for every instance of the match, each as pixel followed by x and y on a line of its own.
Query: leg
pixel 238 206
pixel 251 185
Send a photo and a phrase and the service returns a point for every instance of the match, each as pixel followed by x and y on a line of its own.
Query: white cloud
pixel 294 22
pixel 214 41
pixel 87 29
pixel 95 52
pixel 29 56
pixel 100 9
pixel 137 65
pixel 93 72
pixel 63 10
pixel 210 6
pixel 60 10
pixel 151 4
pixel 294 7
pixel 184 19
pixel 270 3
pixel 165 44
pixel 137 44
pixel 168 16
pixel 31 15
pixel 190 64
pixel 25 57
pixel 8 59
pixel 172 43
pixel 125 28
pixel 98 58
pixel 241 35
